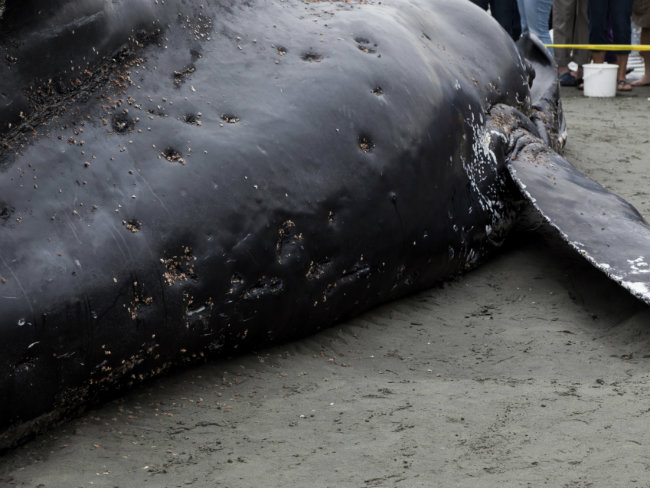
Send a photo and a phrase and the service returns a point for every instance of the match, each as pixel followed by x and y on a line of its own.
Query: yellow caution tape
pixel 603 47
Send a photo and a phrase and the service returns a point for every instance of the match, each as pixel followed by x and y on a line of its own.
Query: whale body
pixel 181 179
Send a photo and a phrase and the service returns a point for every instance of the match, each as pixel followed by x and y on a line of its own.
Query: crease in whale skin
pixel 236 173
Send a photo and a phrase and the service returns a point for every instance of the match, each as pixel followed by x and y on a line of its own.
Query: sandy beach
pixel 533 370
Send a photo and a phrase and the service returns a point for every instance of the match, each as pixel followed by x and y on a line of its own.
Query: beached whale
pixel 179 179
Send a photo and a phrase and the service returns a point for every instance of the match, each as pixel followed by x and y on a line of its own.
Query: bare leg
pixel 645 39
pixel 598 57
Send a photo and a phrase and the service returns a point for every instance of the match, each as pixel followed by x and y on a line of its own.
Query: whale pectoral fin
pixel 605 229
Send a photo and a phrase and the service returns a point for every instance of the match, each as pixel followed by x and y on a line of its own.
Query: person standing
pixel 534 16
pixel 641 17
pixel 570 26
pixel 505 13
pixel 617 14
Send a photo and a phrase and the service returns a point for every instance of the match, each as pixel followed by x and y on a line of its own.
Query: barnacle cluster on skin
pixel 108 79
pixel 139 299
pixel 317 269
pixel 287 241
pixel 132 225
pixel 179 268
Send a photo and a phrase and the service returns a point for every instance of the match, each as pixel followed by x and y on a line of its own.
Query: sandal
pixel 623 86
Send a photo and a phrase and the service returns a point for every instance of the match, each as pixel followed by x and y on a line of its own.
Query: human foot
pixel 645 81
pixel 623 86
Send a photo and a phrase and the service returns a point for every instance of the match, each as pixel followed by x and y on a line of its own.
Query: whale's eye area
pixel 378 91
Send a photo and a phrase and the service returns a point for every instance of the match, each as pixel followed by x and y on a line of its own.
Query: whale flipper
pixel 605 229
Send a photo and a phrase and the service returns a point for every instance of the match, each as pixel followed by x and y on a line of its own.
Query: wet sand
pixel 533 370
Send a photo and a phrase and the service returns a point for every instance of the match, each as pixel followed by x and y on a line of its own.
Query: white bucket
pixel 600 79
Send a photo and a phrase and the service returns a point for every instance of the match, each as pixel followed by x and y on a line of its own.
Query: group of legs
pixel 599 22
pixel 578 22
pixel 641 17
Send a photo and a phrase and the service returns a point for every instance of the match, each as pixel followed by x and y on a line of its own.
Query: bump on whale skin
pixel 224 174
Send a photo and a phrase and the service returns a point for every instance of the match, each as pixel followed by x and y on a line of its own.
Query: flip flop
pixel 623 86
